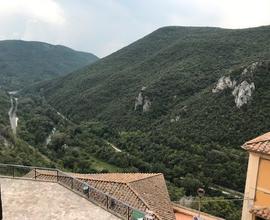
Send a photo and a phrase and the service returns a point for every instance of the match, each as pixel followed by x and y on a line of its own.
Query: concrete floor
pixel 26 199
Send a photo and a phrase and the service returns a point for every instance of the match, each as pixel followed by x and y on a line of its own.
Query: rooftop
pixel 44 193
pixel 259 144
pixel 27 199
pixel 144 191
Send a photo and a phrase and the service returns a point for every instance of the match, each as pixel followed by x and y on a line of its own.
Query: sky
pixel 104 26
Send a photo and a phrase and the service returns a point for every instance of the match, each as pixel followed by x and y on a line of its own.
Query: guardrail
pixel 83 189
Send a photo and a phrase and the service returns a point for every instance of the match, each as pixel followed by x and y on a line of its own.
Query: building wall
pixel 262 197
pixel 257 190
pixel 181 216
pixel 184 213
pixel 251 180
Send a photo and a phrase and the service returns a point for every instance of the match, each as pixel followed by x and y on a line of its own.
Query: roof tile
pixel 259 144
pixel 142 191
pixel 261 212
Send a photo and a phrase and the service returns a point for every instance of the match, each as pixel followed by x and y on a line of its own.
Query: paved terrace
pixel 34 200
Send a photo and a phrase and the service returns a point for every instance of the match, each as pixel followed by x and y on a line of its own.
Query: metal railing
pixel 82 188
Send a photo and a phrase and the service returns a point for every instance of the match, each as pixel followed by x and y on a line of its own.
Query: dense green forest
pixel 180 127
pixel 14 149
pixel 180 101
pixel 26 62
pixel 23 63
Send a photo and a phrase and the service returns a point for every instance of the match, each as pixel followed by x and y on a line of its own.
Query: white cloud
pixel 103 26
pixel 244 13
pixel 222 13
pixel 47 11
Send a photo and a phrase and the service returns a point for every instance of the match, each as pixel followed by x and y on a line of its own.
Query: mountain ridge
pixel 26 62
pixel 170 103
pixel 85 83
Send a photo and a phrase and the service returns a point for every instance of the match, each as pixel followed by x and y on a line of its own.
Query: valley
pixel 181 101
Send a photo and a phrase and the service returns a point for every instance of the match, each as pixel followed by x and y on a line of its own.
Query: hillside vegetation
pixel 26 62
pixel 181 101
pixel 180 127
pixel 12 149
pixel 23 63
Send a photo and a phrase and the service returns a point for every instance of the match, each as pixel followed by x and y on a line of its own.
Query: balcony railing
pixel 104 200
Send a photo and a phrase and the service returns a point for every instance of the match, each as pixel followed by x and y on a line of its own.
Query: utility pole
pixel 200 193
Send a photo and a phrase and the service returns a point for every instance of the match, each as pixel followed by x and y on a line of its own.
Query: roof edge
pixel 147 177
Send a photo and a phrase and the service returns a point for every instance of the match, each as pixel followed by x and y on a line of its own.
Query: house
pixel 256 204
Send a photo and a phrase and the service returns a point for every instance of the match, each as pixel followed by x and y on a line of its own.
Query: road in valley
pixel 12 113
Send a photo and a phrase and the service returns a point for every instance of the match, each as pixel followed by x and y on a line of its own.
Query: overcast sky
pixel 104 26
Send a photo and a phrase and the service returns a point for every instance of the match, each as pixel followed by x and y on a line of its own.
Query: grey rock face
pixel 176 119
pixel 138 101
pixel 147 104
pixel 142 100
pixel 251 69
pixel 223 83
pixel 243 93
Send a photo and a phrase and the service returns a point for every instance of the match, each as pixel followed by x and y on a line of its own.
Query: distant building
pixel 257 191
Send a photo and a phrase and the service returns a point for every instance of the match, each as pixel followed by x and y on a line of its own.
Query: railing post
pixel 13 171
pixel 128 213
pixel 107 202
pixel 57 176
pixel 35 173
pixel 72 183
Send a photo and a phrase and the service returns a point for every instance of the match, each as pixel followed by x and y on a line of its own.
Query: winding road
pixel 12 111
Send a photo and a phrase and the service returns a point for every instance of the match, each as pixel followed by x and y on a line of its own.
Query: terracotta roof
pixel 143 191
pixel 259 144
pixel 115 177
pixel 153 192
pixel 261 212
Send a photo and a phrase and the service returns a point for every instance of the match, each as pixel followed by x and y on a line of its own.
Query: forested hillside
pixel 158 95
pixel 12 149
pixel 4 103
pixel 23 63
pixel 26 62
pixel 180 101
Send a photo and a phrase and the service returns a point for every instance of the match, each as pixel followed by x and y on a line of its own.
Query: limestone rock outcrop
pixel 243 93
pixel 142 101
pixel 241 90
